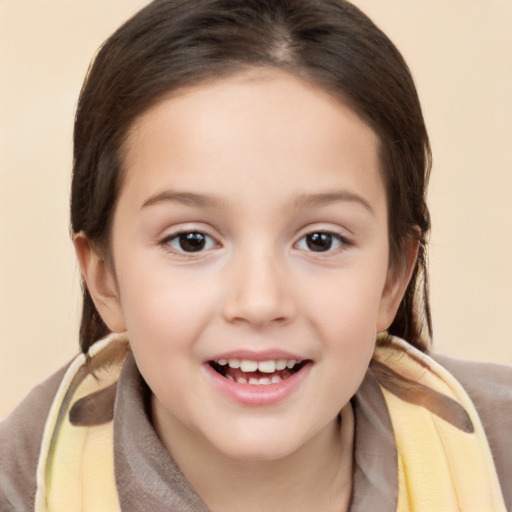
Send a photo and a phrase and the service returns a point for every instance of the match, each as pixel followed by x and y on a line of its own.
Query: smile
pixel 256 373
pixel 257 381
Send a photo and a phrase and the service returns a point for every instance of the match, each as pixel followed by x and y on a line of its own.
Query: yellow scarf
pixel 444 461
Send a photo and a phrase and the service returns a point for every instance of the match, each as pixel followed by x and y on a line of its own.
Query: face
pixel 250 261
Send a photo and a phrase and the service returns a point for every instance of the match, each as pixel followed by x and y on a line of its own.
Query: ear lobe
pixel 101 283
pixel 396 284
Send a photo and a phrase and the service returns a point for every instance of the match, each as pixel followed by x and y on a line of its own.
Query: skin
pixel 278 159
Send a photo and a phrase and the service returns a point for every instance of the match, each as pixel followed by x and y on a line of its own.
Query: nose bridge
pixel 260 287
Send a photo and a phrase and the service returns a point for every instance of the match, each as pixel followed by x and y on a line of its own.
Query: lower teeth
pixel 252 381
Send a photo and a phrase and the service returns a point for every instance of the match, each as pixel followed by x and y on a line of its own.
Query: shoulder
pixel 20 440
pixel 489 386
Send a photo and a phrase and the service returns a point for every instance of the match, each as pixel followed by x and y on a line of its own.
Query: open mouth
pixel 257 373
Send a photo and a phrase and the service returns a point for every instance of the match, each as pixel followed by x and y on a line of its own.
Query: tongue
pixel 236 373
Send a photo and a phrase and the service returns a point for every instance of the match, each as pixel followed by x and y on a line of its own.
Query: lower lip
pixel 257 395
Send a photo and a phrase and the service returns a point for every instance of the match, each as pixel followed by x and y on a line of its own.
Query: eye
pixel 190 241
pixel 321 241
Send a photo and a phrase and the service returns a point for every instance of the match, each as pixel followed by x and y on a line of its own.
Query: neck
pixel 317 476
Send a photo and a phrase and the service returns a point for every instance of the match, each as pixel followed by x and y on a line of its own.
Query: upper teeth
pixel 247 365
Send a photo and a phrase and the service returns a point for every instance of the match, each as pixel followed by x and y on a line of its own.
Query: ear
pixel 101 283
pixel 396 283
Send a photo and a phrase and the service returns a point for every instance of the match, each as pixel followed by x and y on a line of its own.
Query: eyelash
pixel 343 242
pixel 210 243
pixel 168 240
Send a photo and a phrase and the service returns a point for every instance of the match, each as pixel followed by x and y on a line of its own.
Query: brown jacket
pixel 148 479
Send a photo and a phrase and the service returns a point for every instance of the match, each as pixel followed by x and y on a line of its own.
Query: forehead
pixel 262 130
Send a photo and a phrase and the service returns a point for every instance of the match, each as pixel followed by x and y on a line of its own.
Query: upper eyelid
pixel 176 234
pixel 187 228
pixel 343 233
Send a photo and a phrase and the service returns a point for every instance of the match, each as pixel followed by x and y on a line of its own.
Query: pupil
pixel 192 242
pixel 319 242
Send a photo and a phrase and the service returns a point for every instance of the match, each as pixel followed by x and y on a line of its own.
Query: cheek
pixel 350 341
pixel 344 313
pixel 347 300
pixel 165 317
pixel 165 309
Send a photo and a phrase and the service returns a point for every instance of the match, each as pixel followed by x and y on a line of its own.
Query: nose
pixel 259 291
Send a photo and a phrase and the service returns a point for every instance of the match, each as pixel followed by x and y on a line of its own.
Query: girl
pixel 248 210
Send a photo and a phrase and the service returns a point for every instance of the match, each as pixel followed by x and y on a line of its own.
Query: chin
pixel 257 445
pixel 259 453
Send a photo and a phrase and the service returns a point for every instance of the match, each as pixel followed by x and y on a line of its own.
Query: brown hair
pixel 172 44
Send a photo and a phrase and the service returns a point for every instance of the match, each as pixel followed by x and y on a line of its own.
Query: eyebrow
pixel 319 200
pixel 186 198
pixel 302 202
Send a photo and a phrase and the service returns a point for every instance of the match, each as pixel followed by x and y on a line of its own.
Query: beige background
pixel 460 52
